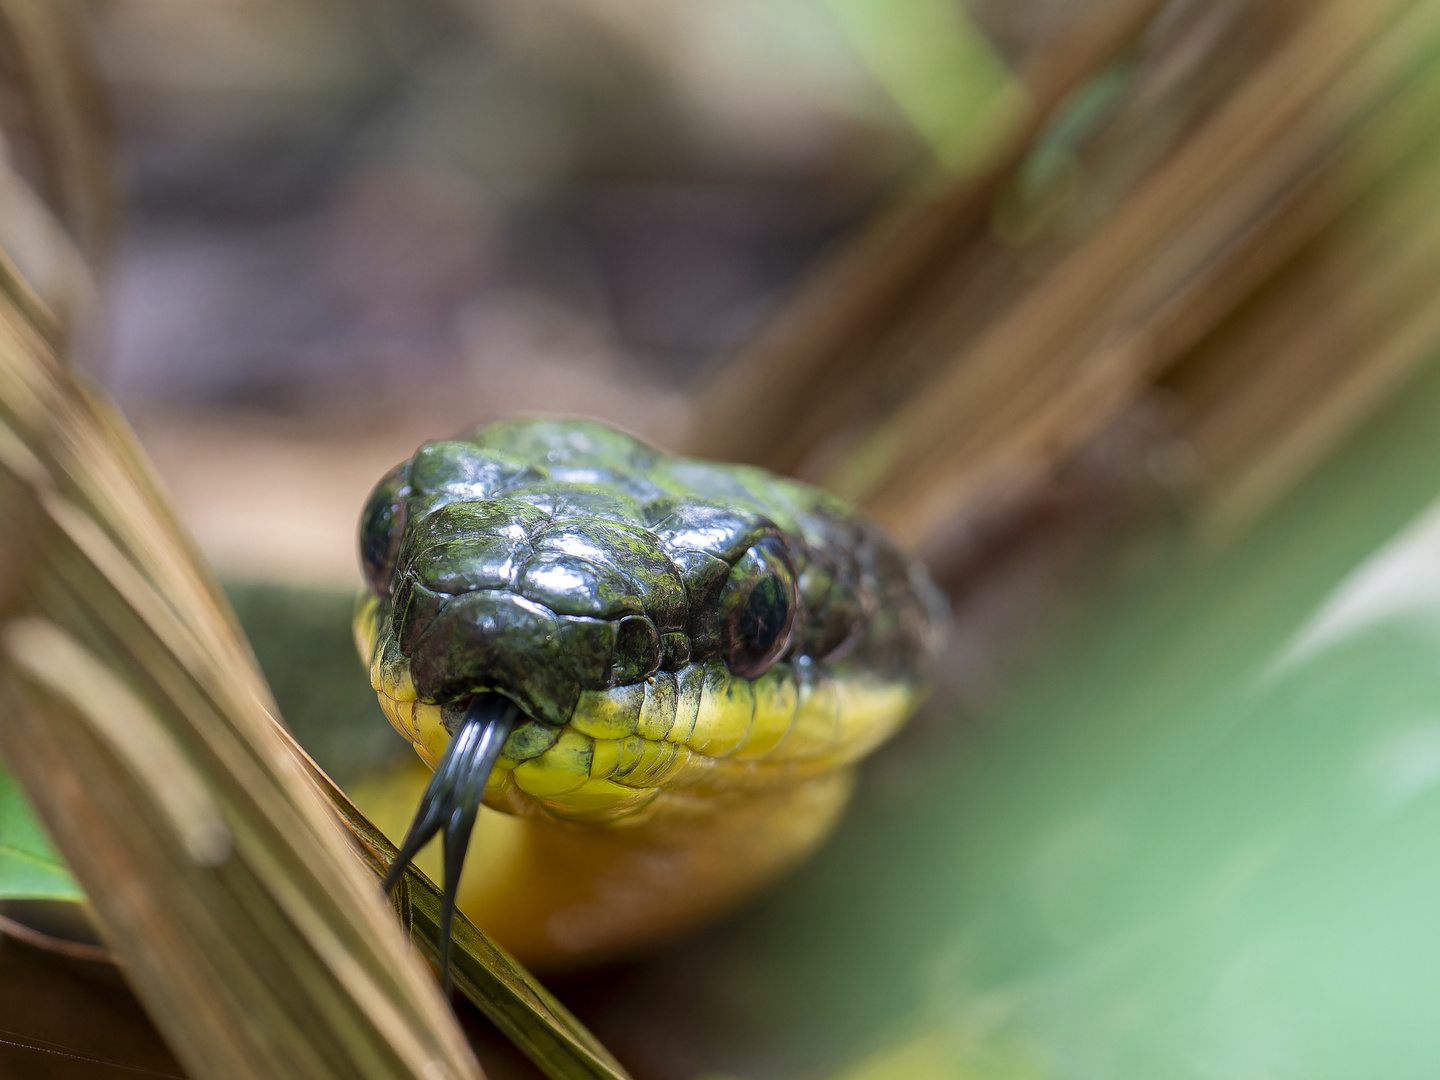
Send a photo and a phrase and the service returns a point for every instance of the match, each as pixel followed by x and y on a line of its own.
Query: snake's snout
pixel 489 639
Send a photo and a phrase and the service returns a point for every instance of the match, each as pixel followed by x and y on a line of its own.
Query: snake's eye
pixel 382 523
pixel 757 609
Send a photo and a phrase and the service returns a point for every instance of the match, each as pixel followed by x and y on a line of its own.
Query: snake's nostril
pixel 674 651
pixel 637 650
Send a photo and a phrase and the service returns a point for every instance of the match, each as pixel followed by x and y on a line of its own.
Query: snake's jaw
pixel 452 801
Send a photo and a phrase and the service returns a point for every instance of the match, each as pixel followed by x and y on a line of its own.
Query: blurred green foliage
pixel 302 640
pixel 1195 836
pixel 943 74
pixel 30 868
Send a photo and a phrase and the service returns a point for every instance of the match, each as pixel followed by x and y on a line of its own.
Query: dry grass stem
pixel 1236 160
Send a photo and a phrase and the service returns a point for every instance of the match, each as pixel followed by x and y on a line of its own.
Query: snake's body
pixel 701 653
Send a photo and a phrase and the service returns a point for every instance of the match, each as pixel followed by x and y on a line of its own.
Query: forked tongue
pixel 452 801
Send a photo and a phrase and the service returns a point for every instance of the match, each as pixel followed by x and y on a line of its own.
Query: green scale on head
pixel 636 623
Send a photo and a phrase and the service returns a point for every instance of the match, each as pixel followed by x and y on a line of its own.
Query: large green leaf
pixel 1197 836
pixel 30 868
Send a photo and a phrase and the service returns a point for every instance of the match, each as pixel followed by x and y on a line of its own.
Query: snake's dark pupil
pixel 758 608
pixel 764 616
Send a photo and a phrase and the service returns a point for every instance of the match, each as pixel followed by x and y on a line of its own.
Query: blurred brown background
pixel 924 253
pixel 351 226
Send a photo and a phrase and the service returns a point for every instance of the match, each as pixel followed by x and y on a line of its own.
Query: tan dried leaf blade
pixel 1237 230
pixel 210 845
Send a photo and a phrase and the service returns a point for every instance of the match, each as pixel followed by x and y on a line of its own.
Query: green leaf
pixel 30 868
pixel 940 70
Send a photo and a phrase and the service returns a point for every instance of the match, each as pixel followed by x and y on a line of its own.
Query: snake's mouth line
pixel 700 730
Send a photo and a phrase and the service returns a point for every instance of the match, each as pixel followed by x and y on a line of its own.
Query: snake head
pixel 655 619
pixel 658 624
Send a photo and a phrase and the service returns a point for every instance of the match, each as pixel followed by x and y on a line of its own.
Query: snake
pixel 660 671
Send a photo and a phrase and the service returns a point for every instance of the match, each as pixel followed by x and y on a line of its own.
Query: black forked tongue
pixel 452 800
